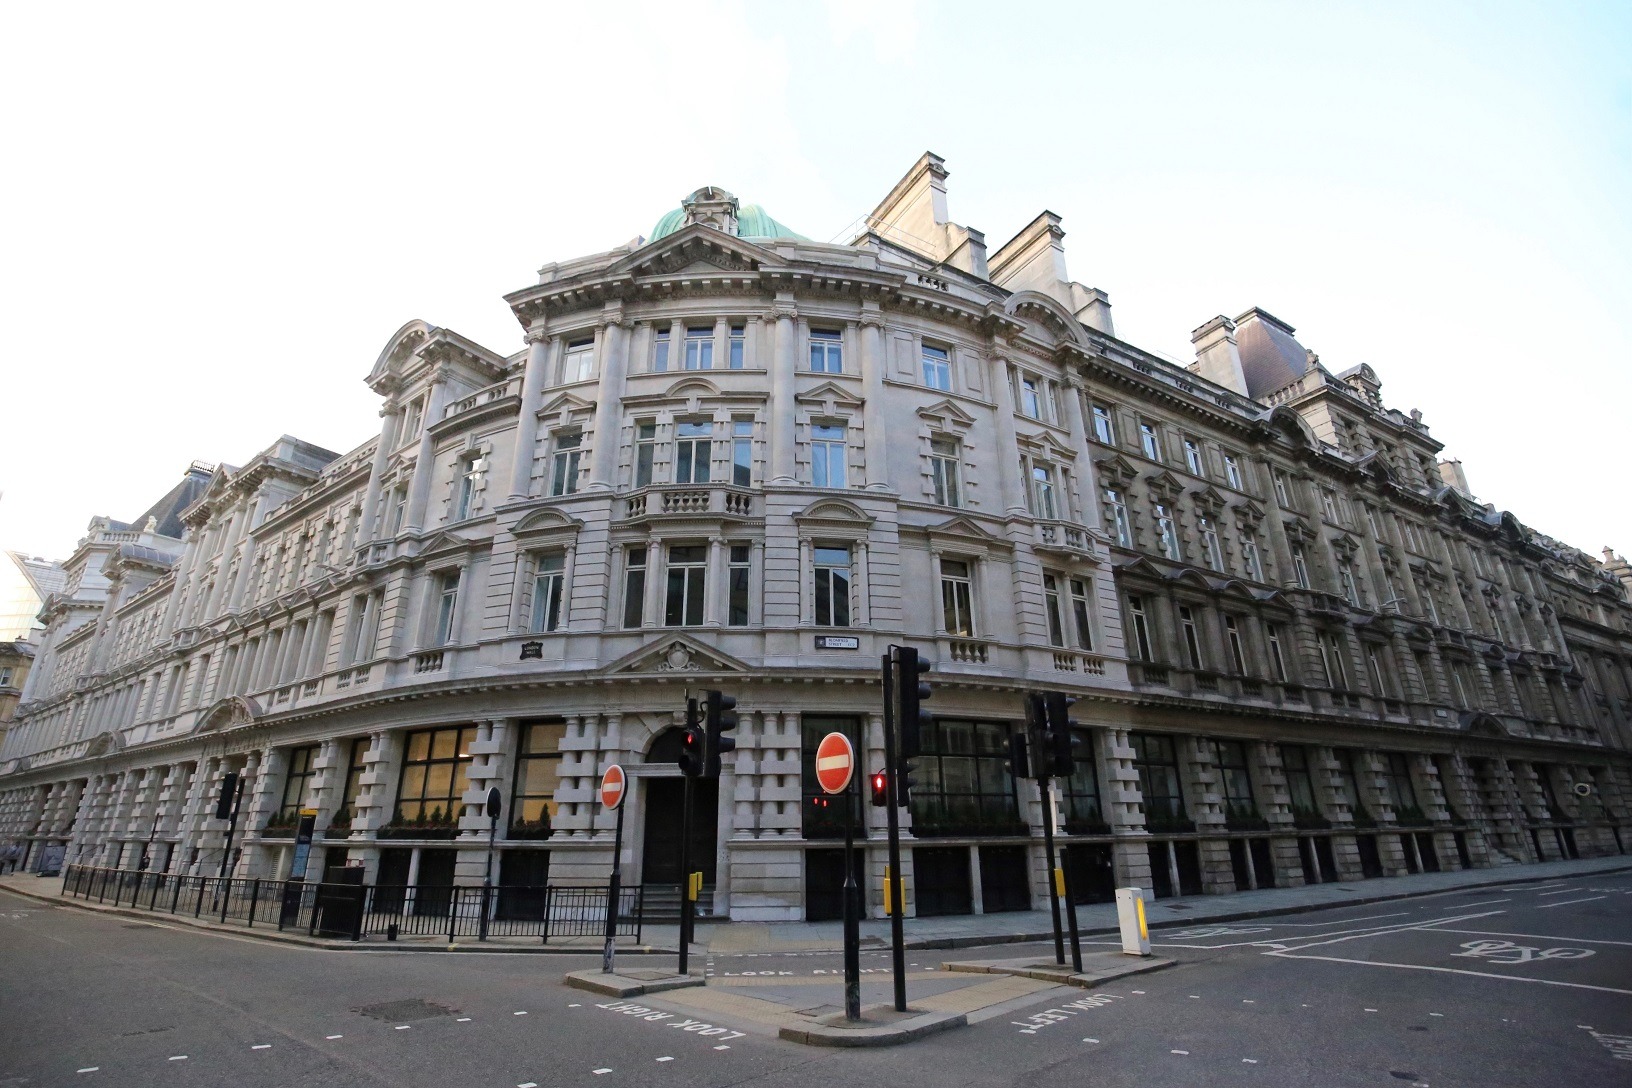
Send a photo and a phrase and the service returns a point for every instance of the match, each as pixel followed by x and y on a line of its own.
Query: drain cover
pixel 413 1008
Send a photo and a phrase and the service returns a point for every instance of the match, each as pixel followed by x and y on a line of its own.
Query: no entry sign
pixel 835 762
pixel 612 783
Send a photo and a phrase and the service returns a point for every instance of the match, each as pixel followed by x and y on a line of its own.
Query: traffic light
pixel 911 690
pixel 881 790
pixel 693 744
pixel 223 804
pixel 1061 758
pixel 903 782
pixel 722 718
pixel 1018 750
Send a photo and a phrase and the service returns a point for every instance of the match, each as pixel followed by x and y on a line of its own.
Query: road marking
pixel 528 1084
pixel 575 1005
pixel 598 1072
pixel 1436 1014
pixel 1565 891
pixel 1486 903
pixel 179 1058
pixel 1250 1061
pixel 1248 1001
pixel 88 1069
pixel 1090 1040
pixel 523 1012
pixel 1433 927
pixel 1185 1052
pixel 404 1027
pixel 669 1059
pixel 1195 997
pixel 723 1046
pixel 1371 1010
pixel 462 1020
pixel 1453 971
pixel 262 1046
pixel 1568 902
pixel 334 1036
pixel 1138 991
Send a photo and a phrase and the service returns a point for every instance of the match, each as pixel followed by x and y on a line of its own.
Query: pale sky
pixel 214 216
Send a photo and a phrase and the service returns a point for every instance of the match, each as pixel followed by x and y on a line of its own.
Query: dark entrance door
pixel 1005 883
pixel 1093 875
pixel 660 861
pixel 940 878
pixel 824 883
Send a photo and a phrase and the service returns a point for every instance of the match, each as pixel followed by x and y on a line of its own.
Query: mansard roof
pixel 1270 357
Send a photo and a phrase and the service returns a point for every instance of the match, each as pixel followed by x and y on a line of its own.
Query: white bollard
pixel 1130 914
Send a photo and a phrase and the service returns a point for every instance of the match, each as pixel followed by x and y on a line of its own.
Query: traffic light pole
pixel 686 905
pixel 852 923
pixel 893 895
pixel 612 891
pixel 1071 916
pixel 1047 792
pixel 232 826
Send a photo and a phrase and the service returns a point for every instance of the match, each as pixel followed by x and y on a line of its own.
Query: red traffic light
pixel 881 796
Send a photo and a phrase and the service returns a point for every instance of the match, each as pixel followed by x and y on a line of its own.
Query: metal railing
pixel 356 911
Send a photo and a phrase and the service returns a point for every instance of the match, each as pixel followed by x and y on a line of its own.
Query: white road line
pixel 179 1058
pixel 1436 1014
pixel 262 1046
pixel 1380 930
pixel 1564 891
pixel 1464 906
pixel 334 1036
pixel 1452 971
pixel 1434 927
pixel 598 1072
pixel 1371 1010
pixel 666 1059
pixel 88 1069
pixel 1250 1061
pixel 523 1012
pixel 1569 902
pixel 404 1027
pixel 575 1005
pixel 1185 1052
pixel 462 1020
pixel 723 1046
pixel 528 1084
pixel 1090 1040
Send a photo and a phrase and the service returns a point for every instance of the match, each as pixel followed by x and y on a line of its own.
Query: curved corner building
pixel 731 457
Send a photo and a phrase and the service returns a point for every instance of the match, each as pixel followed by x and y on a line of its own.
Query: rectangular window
pixel 1141 628
pixel 1157 763
pixel 399 510
pixel 645 453
pixel 447 609
pixel 1328 505
pixel 1235 780
pixel 1081 613
pixel 1192 456
pixel 1461 683
pixel 1042 493
pixel 538 776
pixel 937 367
pixel 1277 663
pixel 738 355
pixel 1052 606
pixel 1029 404
pixel 957 598
pixel 827 455
pixel 965 786
pixel 660 351
pixel 564 472
pixel 578 364
pixel 547 584
pixel 832 587
pixel 1104 425
pixel 1083 814
pixel 361 632
pixel 1300 784
pixel 356 764
pixel 700 348
pixel 412 419
pixel 1192 640
pixel 1148 441
pixel 943 467
pixel 1282 492
pixel 693 451
pixel 435 775
pixel 737 613
pixel 1167 538
pixel 1300 568
pixel 1371 521
pixel 294 787
pixel 1379 672
pixel 1238 656
pixel 1249 556
pixel 1402 795
pixel 1331 656
pixel 470 478
pixel 688 568
pixel 1116 517
pixel 634 587
pixel 742 452
pixel 826 351
pixel 1345 578
pixel 1210 553
pixel 1232 471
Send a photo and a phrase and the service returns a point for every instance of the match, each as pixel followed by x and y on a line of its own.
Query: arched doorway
pixel 660 854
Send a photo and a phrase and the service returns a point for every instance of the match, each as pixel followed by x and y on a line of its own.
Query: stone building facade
pixel 731 457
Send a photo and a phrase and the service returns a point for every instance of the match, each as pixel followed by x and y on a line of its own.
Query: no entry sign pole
pixel 613 787
pixel 835 771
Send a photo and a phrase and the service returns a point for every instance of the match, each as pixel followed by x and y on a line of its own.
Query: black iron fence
pixel 356 911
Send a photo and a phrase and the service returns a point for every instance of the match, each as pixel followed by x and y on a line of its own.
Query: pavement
pixel 950 932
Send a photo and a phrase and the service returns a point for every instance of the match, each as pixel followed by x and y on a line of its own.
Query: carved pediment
pixel 829 396
pixel 965 529
pixel 1116 470
pixel 1166 485
pixel 945 414
pixel 229 713
pixel 565 406
pixel 695 249
pixel 835 510
pixel 547 520
pixel 676 653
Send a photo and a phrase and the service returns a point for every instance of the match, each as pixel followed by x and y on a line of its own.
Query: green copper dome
pixel 720 209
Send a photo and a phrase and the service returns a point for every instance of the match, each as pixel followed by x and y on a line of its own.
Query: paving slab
pixel 631 982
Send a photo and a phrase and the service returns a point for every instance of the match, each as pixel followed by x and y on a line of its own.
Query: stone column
pixel 780 433
pixel 1007 454
pixel 1088 511
pixel 609 399
pixel 875 448
pixel 532 381
pixel 371 514
pixel 424 466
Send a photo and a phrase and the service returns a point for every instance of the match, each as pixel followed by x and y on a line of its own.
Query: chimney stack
pixel 1218 359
